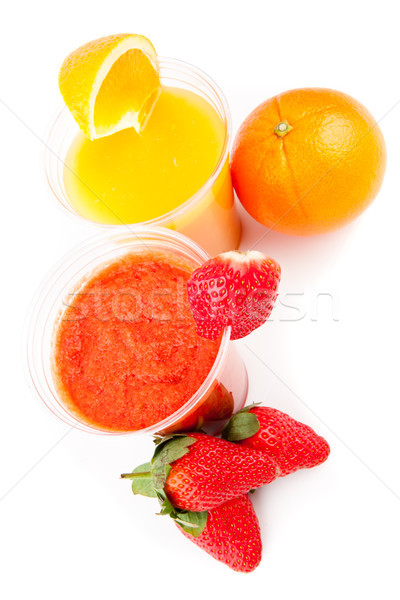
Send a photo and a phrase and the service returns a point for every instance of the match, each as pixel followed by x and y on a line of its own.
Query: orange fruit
pixel 308 161
pixel 111 83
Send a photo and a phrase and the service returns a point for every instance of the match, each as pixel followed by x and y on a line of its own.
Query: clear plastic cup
pixel 66 277
pixel 209 217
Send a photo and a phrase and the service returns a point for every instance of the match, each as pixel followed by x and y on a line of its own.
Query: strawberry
pixel 232 535
pixel 218 406
pixel 291 444
pixel 214 471
pixel 236 289
pixel 196 472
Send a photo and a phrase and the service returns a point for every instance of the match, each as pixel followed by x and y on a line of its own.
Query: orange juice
pixel 129 178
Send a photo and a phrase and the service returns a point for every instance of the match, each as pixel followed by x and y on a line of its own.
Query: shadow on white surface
pixel 302 258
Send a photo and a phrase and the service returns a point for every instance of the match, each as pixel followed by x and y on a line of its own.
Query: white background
pixel 69 528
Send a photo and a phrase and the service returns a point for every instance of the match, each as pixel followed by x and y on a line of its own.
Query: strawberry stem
pixel 146 475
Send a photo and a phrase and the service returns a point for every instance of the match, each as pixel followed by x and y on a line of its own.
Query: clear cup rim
pixel 49 155
pixel 48 290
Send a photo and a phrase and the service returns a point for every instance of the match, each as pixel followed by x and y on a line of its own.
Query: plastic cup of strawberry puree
pixel 227 372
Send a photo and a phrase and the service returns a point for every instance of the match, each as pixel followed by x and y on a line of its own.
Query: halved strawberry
pixel 232 535
pixel 236 289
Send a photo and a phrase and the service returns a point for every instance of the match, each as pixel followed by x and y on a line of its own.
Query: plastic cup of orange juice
pixel 208 215
pixel 68 277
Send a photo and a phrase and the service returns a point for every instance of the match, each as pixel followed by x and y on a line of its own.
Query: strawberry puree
pixel 126 351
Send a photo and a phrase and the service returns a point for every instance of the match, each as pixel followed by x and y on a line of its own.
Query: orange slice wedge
pixel 111 84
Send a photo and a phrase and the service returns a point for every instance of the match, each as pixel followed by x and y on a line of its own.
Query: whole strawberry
pixel 236 289
pixel 214 471
pixel 196 472
pixel 232 535
pixel 291 444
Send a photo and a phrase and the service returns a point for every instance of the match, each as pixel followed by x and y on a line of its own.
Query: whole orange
pixel 308 161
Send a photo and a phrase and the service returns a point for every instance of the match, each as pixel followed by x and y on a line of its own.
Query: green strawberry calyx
pixel 241 425
pixel 149 480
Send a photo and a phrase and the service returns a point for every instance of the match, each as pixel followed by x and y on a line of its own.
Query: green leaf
pixel 166 506
pixel 241 426
pixel 192 522
pixel 176 448
pixel 143 485
pixel 165 454
pixel 160 440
